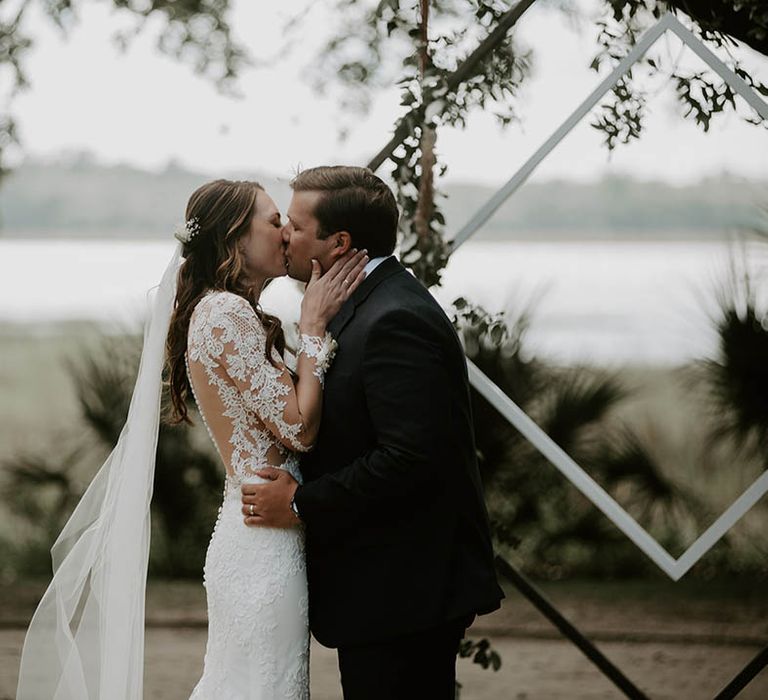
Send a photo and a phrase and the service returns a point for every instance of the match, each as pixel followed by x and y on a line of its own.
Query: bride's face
pixel 262 247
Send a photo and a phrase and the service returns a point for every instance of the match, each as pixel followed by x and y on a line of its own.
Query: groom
pixel 399 557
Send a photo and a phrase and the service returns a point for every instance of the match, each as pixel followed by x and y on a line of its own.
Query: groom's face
pixel 301 241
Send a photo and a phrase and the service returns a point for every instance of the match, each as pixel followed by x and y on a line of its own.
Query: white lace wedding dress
pixel 255 578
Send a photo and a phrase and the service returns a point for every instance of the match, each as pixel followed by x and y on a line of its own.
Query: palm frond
pixel 41 489
pixel 577 399
pixel 737 376
pixel 496 343
pixel 104 379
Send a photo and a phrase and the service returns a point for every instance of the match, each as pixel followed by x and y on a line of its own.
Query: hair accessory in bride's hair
pixel 188 231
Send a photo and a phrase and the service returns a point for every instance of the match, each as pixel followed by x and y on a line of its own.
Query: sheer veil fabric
pixel 86 638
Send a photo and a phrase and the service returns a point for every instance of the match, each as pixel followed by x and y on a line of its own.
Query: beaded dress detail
pixel 255 578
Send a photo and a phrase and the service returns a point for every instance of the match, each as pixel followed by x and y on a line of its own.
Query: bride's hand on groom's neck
pixel 325 293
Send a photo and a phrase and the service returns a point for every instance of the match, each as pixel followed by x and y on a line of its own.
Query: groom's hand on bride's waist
pixel 269 505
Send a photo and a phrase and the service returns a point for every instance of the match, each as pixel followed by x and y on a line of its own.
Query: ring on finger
pixel 345 282
pixel 250 509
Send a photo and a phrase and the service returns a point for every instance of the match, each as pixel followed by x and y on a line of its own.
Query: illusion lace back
pixel 255 578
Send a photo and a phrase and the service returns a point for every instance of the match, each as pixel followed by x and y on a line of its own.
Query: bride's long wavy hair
pixel 223 210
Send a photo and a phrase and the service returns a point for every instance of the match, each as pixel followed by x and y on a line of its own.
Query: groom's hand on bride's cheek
pixel 269 505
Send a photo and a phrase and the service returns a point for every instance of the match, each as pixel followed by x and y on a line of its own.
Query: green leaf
pixel 497 334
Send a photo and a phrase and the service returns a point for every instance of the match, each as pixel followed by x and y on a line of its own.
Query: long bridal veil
pixel 86 639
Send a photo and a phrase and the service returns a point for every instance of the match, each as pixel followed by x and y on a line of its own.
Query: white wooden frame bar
pixel 667 22
pixel 674 568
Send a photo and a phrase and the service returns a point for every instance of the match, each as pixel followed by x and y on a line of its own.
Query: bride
pixel 86 639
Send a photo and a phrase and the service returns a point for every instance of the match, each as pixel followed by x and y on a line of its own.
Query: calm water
pixel 601 302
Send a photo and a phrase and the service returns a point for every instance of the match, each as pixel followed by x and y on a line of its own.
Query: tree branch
pixel 466 70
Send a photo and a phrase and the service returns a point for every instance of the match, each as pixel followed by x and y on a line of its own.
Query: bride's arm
pixel 290 411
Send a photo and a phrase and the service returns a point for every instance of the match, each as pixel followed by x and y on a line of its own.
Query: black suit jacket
pixel 396 525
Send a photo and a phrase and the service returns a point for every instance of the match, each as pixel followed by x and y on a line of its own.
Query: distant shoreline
pixel 43 200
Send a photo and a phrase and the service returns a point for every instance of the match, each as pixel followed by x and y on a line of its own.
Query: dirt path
pixel 673 640
pixel 532 669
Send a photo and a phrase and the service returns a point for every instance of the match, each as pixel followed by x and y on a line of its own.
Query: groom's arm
pixel 409 395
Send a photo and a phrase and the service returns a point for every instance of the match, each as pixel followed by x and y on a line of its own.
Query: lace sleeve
pixel 237 341
pixel 321 350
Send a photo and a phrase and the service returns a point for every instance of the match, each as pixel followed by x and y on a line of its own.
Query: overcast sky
pixel 143 108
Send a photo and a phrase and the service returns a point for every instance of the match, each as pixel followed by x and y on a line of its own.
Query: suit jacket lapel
pixel 387 268
pixel 341 319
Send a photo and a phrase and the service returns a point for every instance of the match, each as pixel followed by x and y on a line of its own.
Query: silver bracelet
pixel 294 507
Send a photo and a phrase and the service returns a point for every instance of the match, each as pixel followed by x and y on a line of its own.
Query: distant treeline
pixel 79 197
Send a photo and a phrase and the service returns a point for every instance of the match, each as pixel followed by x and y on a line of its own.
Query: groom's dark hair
pixel 354 200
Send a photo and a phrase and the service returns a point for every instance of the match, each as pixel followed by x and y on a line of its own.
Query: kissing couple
pixel 352 502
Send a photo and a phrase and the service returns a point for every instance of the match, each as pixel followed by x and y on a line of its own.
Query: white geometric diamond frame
pixel 674 568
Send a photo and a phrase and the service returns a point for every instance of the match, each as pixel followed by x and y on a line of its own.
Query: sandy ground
pixel 532 669
pixel 688 646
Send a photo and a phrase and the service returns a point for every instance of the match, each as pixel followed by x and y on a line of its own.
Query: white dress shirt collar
pixel 373 263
